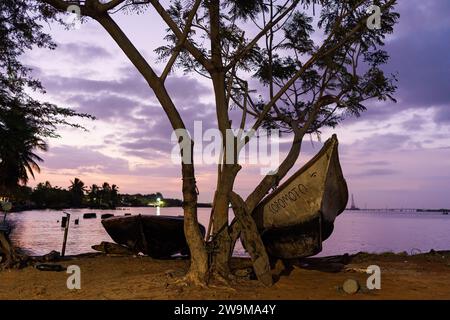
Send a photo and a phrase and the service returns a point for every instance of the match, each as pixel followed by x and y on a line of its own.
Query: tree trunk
pixel 221 240
pixel 9 257
pixel 252 241
pixel 221 237
pixel 198 270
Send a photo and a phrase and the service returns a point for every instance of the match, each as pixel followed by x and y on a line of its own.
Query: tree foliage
pixel 25 121
pixel 341 71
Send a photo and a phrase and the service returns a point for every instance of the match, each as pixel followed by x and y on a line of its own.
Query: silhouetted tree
pixel 77 190
pixel 18 142
pixel 24 121
pixel 104 197
pixel 47 196
pixel 115 199
pixel 94 196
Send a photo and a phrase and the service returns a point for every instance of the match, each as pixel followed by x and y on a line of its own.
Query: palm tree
pixel 114 196
pixel 77 190
pixel 106 195
pixel 19 141
pixel 94 195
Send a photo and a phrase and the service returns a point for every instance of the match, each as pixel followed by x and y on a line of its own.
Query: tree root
pixel 10 258
pixel 14 262
pixel 216 282
pixel 189 280
pixel 218 277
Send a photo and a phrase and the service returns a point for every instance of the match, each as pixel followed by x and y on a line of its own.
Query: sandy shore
pixel 424 276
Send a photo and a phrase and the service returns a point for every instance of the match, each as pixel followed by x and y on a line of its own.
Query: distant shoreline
pixel 31 208
pixel 20 208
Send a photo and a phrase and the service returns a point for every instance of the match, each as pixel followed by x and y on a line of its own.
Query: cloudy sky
pixel 395 155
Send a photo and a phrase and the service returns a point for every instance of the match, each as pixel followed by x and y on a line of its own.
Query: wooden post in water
pixel 66 231
pixel 63 222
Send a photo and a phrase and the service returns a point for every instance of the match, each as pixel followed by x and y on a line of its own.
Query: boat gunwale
pixel 332 141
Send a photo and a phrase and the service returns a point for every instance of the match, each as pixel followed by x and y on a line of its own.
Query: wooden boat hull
pixel 155 236
pixel 295 218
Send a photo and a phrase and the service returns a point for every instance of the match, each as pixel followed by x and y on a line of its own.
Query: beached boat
pixel 156 236
pixel 295 218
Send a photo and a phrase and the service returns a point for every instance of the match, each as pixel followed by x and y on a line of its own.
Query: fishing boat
pixel 299 215
pixel 155 236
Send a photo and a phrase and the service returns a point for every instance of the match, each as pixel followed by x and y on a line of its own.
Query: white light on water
pixel 158 211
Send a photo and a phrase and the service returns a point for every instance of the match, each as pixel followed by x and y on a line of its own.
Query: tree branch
pixel 181 41
pixel 310 62
pixel 196 53
pixel 62 5
pixel 110 5
pixel 238 56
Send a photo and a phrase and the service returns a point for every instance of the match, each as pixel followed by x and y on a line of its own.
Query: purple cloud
pixel 83 159
pixel 80 51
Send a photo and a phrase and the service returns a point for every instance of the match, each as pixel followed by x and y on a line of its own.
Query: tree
pixel 308 84
pixel 24 121
pixel 77 190
pixel 19 140
pixel 114 196
pixel 105 197
pixel 94 196
pixel 47 196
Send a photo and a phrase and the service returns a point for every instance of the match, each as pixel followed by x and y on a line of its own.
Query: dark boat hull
pixel 155 236
pixel 296 241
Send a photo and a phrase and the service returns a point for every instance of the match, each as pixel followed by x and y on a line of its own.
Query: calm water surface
pixel 38 232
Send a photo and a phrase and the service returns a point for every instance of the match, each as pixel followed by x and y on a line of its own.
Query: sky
pixel 395 155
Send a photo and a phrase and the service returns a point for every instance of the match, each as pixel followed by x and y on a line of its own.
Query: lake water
pixel 38 232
